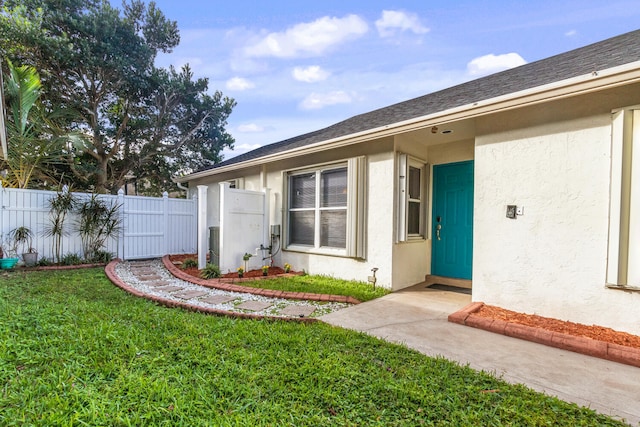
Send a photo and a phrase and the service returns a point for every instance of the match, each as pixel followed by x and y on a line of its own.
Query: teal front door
pixel 452 233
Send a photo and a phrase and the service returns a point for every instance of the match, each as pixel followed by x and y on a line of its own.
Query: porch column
pixel 202 226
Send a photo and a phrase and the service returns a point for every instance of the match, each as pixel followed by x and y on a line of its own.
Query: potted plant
pixel 23 237
pixel 246 257
pixel 5 251
pixel 265 270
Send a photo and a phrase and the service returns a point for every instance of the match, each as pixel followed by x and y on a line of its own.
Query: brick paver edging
pixel 229 285
pixel 110 271
pixel 583 345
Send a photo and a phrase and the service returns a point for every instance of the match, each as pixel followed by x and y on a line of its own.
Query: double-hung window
pixel 411 198
pixel 325 209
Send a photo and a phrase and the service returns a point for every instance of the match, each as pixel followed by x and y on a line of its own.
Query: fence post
pixel 1 212
pixel 166 232
pixel 202 226
pixel 194 224
pixel 266 216
pixel 121 202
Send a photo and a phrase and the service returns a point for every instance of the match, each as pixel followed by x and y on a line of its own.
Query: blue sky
pixel 298 66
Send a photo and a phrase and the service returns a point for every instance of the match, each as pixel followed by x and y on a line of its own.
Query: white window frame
pixel 355 208
pixel 623 268
pixel 404 165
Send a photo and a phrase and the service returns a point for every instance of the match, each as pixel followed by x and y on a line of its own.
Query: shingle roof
pixel 606 54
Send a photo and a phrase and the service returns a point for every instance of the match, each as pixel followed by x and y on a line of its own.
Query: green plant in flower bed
pixel 321 285
pixel 43 262
pixel 71 259
pixel 68 357
pixel 102 256
pixel 189 263
pixel 210 271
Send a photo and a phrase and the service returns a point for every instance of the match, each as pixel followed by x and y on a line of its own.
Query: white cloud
pixel 395 20
pixel 250 128
pixel 239 149
pixel 491 63
pixel 316 101
pixel 238 83
pixel 309 38
pixel 310 74
pixel 571 33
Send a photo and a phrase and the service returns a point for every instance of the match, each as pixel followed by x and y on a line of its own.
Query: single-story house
pixel 523 185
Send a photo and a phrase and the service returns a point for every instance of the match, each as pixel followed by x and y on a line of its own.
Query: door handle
pixel 438 228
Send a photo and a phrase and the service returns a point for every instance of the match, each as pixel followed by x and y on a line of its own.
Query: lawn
pixel 75 350
pixel 321 285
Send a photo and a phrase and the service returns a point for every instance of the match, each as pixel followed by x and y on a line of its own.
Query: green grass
pixel 321 285
pixel 75 350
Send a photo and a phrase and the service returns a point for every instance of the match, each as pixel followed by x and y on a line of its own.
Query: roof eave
pixel 595 81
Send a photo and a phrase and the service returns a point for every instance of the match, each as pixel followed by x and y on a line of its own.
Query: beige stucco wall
pixel 552 260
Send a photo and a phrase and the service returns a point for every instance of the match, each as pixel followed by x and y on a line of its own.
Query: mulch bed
pixel 273 271
pixel 576 329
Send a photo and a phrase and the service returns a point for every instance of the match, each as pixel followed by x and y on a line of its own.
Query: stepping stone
pixel 190 294
pixel 254 305
pixel 217 299
pixel 170 288
pixel 158 283
pixel 149 278
pixel 142 270
pixel 297 310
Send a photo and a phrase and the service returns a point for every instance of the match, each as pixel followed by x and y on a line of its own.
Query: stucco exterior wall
pixel 552 260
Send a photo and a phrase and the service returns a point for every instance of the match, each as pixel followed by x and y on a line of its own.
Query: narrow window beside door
pixel 411 198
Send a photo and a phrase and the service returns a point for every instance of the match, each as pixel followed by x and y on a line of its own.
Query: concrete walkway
pixel 417 317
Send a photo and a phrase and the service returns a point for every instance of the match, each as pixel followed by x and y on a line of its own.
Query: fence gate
pixel 153 226
pixel 244 227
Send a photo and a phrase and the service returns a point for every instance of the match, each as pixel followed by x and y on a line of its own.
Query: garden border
pixel 583 345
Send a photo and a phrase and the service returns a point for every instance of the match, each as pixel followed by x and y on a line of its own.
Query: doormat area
pixel 448 288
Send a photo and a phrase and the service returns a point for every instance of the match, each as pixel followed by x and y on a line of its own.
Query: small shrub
pixel 102 257
pixel 211 271
pixel 43 262
pixel 189 263
pixel 71 259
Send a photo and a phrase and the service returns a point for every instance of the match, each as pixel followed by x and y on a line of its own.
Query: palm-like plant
pixel 98 222
pixel 34 138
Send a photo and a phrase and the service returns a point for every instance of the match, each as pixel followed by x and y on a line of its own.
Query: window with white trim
pixel 623 269
pixel 325 209
pixel 411 198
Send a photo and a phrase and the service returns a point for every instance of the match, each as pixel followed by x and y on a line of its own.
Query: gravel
pixel 124 271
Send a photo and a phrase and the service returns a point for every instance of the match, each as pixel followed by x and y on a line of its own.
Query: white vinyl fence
pixel 244 227
pixel 151 226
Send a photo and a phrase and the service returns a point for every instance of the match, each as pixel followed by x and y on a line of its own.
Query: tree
pixel 99 61
pixel 178 128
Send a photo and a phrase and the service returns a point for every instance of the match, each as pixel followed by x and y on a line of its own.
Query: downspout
pixel 181 187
